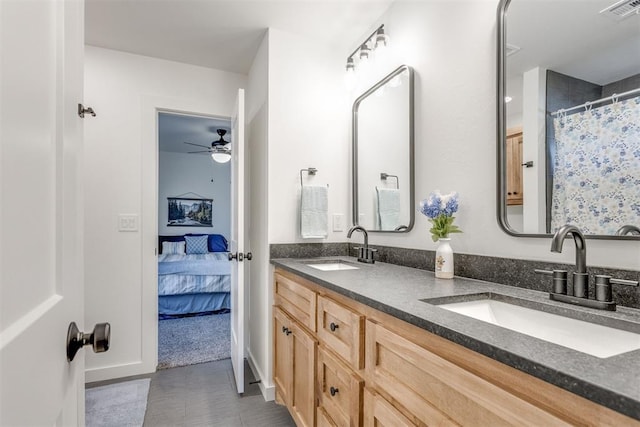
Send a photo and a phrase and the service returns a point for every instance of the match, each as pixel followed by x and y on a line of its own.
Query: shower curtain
pixel 596 178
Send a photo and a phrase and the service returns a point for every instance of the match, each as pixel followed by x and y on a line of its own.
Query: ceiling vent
pixel 511 49
pixel 622 9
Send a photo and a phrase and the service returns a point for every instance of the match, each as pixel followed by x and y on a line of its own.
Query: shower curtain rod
pixel 597 101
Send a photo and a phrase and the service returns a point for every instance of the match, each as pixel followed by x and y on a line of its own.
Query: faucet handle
pixel 559 280
pixel 624 282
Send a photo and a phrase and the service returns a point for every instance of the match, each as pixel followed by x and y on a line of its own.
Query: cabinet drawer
pixel 342 330
pixel 422 381
pixel 297 300
pixel 339 390
pixel 378 412
pixel 323 419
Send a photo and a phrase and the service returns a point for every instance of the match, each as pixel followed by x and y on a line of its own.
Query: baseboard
pixel 267 389
pixel 118 371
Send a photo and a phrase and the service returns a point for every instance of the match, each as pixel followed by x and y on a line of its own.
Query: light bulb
pixel 221 156
pixel 350 76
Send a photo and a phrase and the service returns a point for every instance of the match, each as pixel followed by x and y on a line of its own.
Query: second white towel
pixel 388 208
pixel 314 212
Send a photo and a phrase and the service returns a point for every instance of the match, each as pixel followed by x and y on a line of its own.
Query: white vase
pixel 444 259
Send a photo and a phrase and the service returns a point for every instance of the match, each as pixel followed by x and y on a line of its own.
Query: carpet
pixel 120 404
pixel 192 340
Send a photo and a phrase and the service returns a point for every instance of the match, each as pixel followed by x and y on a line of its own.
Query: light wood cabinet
pixel 339 391
pixel 295 368
pixel 514 168
pixel 386 372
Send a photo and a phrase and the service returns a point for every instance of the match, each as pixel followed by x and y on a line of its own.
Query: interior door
pixel 237 242
pixel 41 251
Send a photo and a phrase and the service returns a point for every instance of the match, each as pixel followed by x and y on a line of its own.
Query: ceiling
pixel 176 129
pixel 223 34
pixel 571 38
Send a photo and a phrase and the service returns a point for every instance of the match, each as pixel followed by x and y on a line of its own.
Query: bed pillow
pixel 217 243
pixel 173 248
pixel 196 244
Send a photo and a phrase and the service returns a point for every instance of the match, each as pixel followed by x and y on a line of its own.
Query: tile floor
pixel 205 395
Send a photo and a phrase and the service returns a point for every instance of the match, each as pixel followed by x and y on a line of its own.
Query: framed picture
pixel 190 212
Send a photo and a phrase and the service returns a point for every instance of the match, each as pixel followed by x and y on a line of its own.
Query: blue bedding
pixel 193 283
pixel 213 263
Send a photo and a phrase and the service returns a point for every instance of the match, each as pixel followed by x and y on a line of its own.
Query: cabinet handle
pixel 284 329
pixel 333 391
pixel 509 193
pixel 288 332
pixel 333 327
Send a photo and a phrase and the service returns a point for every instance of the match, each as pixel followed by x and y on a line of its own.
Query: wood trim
pixel 348 339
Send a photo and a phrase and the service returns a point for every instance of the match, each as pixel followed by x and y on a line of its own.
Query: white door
pixel 41 252
pixel 237 242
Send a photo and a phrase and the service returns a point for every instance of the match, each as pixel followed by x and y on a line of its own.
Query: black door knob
pixel 248 256
pixel 99 339
pixel 333 327
pixel 333 391
pixel 233 256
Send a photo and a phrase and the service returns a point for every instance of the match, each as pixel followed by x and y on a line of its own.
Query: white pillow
pixel 173 248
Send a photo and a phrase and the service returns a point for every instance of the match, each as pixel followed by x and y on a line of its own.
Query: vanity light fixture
pixel 378 39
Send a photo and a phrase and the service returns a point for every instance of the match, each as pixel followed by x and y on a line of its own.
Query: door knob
pixel 99 338
pixel 248 256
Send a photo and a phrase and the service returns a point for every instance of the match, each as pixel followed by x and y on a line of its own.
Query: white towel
pixel 388 208
pixel 314 212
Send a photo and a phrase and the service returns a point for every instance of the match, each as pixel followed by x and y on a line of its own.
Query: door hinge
pixel 82 111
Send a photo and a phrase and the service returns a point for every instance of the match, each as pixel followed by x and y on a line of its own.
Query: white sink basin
pixel 332 265
pixel 596 340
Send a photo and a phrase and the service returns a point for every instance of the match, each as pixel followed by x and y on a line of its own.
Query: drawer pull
pixel 333 327
pixel 333 391
pixel 286 330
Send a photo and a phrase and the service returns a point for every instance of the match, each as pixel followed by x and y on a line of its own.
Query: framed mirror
pixel 383 158
pixel 569 117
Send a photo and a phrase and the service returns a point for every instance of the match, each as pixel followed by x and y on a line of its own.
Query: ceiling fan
pixel 219 150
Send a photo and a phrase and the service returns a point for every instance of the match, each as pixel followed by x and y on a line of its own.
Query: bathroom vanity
pixel 360 344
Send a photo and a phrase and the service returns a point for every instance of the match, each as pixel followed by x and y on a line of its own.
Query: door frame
pixel 151 106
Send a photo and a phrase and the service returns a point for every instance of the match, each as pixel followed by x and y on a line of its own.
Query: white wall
pixel 258 337
pixel 126 91
pixel 308 127
pixel 189 173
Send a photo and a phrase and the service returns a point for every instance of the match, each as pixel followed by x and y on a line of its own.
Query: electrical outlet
pixel 338 222
pixel 127 222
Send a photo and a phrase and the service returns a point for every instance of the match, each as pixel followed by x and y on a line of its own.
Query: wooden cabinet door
pixel 514 169
pixel 339 390
pixel 303 400
pixel 282 362
pixel 380 413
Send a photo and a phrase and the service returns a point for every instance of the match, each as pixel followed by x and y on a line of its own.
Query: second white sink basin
pixel 332 265
pixel 596 340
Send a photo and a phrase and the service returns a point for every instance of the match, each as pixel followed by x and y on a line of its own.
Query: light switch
pixel 127 222
pixel 338 222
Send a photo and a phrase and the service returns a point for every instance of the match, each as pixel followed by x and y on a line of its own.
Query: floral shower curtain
pixel 596 180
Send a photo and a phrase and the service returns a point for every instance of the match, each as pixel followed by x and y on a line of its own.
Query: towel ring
pixel 310 171
pixel 384 176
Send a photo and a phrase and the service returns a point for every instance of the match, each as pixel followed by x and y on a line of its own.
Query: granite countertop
pixel 613 382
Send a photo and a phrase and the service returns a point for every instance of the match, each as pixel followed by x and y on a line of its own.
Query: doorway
pixel 194 226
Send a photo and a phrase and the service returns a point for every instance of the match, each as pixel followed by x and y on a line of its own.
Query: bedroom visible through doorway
pixel 194 225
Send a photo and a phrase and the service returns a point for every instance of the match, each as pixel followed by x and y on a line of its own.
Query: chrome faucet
pixel 603 294
pixel 628 229
pixel 365 254
pixel 580 277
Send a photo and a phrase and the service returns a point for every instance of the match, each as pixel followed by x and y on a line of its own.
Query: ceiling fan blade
pixel 194 152
pixel 197 145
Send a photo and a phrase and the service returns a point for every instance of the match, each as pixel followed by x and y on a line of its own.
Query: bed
pixel 193 275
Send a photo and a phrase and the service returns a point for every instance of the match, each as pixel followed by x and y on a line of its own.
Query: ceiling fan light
pixel 221 156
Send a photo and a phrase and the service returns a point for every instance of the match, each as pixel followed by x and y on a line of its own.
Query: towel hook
pixel 310 171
